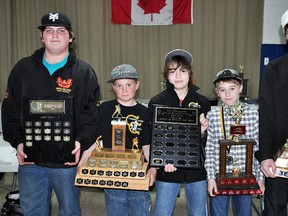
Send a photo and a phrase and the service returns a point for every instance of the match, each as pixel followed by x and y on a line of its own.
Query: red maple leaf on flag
pixel 152 6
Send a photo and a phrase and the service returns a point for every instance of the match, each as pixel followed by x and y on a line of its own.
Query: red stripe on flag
pixel 121 11
pixel 182 11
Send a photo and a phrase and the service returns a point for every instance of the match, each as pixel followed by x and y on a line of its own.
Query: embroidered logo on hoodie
pixel 63 85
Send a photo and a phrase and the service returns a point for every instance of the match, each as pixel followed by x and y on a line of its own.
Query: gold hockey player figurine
pixel 117 112
pixel 98 143
pixel 135 147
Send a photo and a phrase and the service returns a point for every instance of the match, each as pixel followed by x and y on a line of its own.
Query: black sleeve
pixel 267 125
pixel 86 133
pixel 11 111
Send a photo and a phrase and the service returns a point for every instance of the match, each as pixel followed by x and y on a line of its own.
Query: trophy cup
pixel 236 112
pixel 282 161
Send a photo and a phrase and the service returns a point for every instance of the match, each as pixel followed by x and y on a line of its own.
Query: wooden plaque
pixel 118 135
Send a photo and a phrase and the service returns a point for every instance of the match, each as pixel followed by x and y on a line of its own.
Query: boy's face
pixel 179 77
pixel 125 90
pixel 56 39
pixel 229 92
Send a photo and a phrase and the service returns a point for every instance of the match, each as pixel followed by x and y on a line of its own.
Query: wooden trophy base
pixel 282 164
pixel 114 169
pixel 106 153
pixel 115 183
pixel 237 185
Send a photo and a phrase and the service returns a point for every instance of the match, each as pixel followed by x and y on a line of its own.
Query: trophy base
pixel 282 164
pixel 114 169
pixel 281 172
pixel 230 179
pixel 120 154
pixel 116 183
pixel 115 172
pixel 236 185
pixel 244 190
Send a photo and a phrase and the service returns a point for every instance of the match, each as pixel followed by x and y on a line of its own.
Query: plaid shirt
pixel 250 120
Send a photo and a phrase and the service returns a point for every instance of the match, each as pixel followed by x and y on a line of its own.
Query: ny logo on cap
pixel 53 17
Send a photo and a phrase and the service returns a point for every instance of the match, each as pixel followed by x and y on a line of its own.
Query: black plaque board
pixel 48 128
pixel 176 137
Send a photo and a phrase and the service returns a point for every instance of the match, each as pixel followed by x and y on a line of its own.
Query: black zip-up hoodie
pixel 30 78
pixel 273 103
pixel 169 98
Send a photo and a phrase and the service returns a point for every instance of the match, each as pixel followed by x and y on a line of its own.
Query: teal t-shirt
pixel 53 67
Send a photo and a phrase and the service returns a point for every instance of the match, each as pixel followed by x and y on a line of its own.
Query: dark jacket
pixel 29 77
pixel 169 97
pixel 135 116
pixel 273 112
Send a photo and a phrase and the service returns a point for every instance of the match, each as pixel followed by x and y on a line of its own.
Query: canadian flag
pixel 152 12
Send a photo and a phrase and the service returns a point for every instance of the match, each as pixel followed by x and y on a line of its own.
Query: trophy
pixel 237 181
pixel 115 167
pixel 244 95
pixel 236 113
pixel 282 161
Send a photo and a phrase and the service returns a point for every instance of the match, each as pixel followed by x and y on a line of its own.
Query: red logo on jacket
pixel 64 85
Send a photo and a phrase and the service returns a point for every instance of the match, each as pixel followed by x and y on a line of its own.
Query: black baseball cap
pixel 227 74
pixel 55 19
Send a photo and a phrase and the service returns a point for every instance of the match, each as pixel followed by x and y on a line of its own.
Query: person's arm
pixel 268 168
pixel 205 108
pixel 204 124
pixel 210 151
pixel 212 187
pixel 11 109
pixel 86 154
pixel 85 133
pixel 146 152
pixel 151 173
pixel 256 166
pixel 76 151
pixel 267 125
pixel 21 155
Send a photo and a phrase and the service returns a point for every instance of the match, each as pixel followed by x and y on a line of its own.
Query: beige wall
pixel 225 34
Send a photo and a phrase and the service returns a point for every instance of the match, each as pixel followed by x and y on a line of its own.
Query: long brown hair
pixel 180 61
